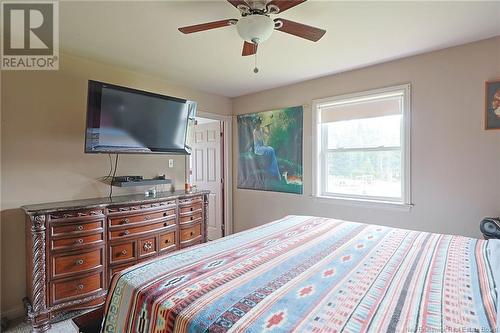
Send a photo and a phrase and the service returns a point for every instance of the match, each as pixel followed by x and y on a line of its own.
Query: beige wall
pixel 455 162
pixel 42 159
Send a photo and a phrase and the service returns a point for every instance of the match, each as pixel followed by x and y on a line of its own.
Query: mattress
pixel 312 274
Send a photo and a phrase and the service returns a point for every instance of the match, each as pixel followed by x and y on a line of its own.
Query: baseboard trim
pixel 13 313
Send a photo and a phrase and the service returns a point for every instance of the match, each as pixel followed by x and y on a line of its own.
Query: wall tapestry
pixel 492 117
pixel 270 150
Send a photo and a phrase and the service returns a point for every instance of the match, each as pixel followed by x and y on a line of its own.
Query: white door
pixel 206 171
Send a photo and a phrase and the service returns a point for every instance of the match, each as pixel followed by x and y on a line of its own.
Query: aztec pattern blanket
pixel 310 274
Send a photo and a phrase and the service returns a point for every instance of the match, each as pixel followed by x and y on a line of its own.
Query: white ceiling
pixel 143 36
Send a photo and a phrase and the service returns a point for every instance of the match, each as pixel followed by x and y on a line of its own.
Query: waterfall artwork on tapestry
pixel 270 150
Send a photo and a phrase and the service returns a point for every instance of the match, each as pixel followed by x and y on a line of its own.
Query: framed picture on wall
pixel 270 150
pixel 492 107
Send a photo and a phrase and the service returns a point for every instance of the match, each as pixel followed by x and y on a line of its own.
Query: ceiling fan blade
pixel 285 4
pixel 300 30
pixel 249 49
pixel 206 26
pixel 236 3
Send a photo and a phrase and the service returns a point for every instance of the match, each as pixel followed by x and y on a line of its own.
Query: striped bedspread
pixel 310 274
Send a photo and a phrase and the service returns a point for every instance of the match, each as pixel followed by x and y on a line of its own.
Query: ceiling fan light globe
pixel 255 27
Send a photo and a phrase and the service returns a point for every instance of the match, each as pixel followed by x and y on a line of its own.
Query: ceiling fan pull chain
pixel 255 70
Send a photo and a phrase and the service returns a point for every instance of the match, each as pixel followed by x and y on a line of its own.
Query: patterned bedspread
pixel 310 274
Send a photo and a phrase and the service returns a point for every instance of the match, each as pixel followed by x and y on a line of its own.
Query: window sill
pixel 366 203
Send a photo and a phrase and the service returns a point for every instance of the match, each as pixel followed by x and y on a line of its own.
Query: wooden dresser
pixel 74 247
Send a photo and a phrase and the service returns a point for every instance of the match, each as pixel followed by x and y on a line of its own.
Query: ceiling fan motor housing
pixel 255 28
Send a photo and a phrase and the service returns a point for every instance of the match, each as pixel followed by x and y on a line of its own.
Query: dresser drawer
pixel 76 216
pixel 116 269
pixel 146 259
pixel 122 252
pixel 167 241
pixel 190 201
pixel 123 233
pixel 190 233
pixel 131 219
pixel 147 247
pixel 191 242
pixel 196 217
pixel 189 210
pixel 82 286
pixel 63 265
pixel 76 228
pixel 77 242
pixel 141 208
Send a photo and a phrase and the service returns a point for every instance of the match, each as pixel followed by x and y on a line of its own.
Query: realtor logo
pixel 30 35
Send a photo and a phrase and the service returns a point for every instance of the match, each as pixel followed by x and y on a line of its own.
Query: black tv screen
pixel 124 120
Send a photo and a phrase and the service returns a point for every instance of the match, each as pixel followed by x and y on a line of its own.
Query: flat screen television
pixel 125 120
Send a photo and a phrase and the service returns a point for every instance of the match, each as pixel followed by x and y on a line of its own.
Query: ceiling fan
pixel 256 26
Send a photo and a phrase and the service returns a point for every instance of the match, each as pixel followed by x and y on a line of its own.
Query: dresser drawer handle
pixel 191 233
pixel 79 241
pixel 125 233
pixel 124 252
pixel 147 217
pixel 148 246
pixel 192 218
pixel 167 241
pixel 165 214
pixel 79 262
pixel 191 208
pixel 165 224
pixel 125 221
pixel 79 228
pixel 80 286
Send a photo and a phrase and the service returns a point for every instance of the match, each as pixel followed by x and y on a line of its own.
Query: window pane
pixel 364 173
pixel 365 133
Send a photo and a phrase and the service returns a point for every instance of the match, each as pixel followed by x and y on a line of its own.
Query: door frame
pixel 227 175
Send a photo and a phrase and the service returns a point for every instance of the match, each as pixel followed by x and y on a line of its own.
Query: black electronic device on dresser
pixel 128 178
pixel 490 227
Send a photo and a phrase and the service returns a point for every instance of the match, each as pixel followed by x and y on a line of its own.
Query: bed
pixel 312 274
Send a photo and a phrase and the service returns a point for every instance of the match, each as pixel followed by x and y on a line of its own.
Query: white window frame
pixel 319 161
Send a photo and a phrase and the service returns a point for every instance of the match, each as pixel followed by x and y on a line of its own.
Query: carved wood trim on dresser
pixel 73 248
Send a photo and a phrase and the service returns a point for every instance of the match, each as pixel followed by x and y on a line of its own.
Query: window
pixel 362 146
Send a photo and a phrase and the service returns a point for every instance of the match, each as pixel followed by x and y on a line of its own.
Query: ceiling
pixel 143 36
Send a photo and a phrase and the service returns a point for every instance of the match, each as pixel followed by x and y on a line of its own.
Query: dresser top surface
pixel 130 199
